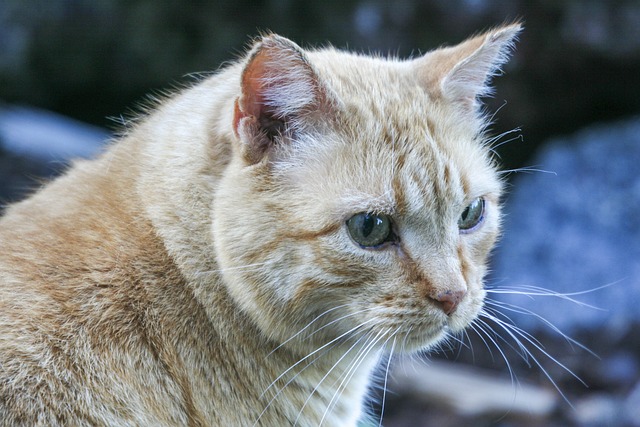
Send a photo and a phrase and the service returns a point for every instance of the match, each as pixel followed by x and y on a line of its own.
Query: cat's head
pixel 361 198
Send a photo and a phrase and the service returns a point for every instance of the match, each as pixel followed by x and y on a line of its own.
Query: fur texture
pixel 200 271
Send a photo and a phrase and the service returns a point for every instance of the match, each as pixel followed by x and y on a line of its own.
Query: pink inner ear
pixel 237 116
pixel 251 102
pixel 278 86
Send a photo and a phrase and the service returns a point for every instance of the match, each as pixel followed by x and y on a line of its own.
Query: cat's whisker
pixel 534 291
pixel 386 377
pixel 465 335
pixel 517 346
pixel 353 367
pixel 325 348
pixel 516 333
pixel 350 370
pixel 451 338
pixel 346 353
pixel 482 328
pixel 341 336
pixel 403 345
pixel 456 343
pixel 526 169
pixel 490 119
pixel 495 142
pixel 307 326
pixel 480 332
pixel 443 346
pixel 300 372
pixel 554 328
pixel 488 310
pixel 340 319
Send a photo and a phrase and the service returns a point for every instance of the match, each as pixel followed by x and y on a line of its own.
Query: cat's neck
pixel 302 381
pixel 184 155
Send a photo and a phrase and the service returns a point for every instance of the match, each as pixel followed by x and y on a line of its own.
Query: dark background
pixel 577 64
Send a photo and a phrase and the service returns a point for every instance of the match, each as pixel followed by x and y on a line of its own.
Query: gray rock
pixel 36 145
pixel 46 136
pixel 598 410
pixel 470 391
pixel 576 231
pixel 632 407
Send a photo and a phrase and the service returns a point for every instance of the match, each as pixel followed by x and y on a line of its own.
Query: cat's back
pixel 63 298
pixel 92 302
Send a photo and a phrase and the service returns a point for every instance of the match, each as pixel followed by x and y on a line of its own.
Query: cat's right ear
pixel 461 74
pixel 278 89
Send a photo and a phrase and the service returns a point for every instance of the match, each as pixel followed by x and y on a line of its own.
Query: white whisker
pixel 528 169
pixel 554 328
pixel 325 377
pixel 307 326
pixel 341 318
pixel 497 313
pixel 403 346
pixel 488 331
pixel 352 369
pixel 535 291
pixel 470 346
pixel 302 360
pixel 494 142
pixel 516 333
pixel 386 376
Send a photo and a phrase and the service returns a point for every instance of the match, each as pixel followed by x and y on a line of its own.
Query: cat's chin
pixel 423 339
pixel 420 341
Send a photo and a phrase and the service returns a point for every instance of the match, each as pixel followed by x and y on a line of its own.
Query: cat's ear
pixel 278 88
pixel 461 74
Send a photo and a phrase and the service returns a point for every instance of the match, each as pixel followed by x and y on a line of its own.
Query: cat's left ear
pixel 461 74
pixel 279 91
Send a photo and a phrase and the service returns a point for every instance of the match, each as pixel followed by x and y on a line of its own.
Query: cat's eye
pixel 472 215
pixel 370 230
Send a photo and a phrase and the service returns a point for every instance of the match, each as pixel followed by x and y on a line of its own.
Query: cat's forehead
pixel 389 146
pixel 384 168
pixel 371 82
pixel 385 100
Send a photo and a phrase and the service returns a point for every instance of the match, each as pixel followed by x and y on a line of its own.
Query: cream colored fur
pixel 200 271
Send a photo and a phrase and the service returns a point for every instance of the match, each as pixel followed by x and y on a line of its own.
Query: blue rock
pixel 577 229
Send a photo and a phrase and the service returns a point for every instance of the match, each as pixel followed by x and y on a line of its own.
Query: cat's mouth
pixel 426 331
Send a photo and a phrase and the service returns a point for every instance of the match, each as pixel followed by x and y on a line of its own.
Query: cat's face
pixel 366 211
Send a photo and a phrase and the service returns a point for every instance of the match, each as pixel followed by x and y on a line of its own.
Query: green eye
pixel 472 215
pixel 369 230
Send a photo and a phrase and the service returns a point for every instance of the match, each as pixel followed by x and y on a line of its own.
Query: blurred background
pixel 70 69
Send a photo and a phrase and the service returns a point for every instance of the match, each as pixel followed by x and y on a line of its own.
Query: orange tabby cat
pixel 247 253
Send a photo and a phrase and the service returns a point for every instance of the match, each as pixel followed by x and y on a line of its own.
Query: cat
pixel 248 252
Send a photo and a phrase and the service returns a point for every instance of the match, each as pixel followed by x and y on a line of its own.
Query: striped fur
pixel 200 271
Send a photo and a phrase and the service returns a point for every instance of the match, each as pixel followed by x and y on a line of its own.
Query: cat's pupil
pixel 369 230
pixel 368 223
pixel 465 214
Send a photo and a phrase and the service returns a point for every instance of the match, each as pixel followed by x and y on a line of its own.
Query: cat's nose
pixel 448 300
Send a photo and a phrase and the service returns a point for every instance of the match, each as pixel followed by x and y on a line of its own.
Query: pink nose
pixel 448 300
